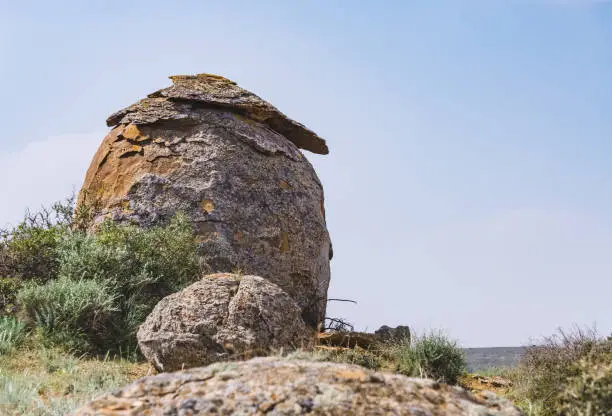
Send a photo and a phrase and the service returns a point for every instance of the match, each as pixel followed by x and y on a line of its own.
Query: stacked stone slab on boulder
pixel 286 387
pixel 231 162
pixel 222 317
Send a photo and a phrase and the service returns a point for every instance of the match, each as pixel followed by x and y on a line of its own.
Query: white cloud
pixel 43 172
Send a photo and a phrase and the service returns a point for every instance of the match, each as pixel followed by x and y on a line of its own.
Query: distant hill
pixel 480 359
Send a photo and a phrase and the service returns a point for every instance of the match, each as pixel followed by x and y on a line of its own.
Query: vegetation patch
pixel 88 292
pixel 78 314
pixel 49 382
pixel 432 355
pixel 28 251
pixel 563 375
pixel 589 392
pixel 12 334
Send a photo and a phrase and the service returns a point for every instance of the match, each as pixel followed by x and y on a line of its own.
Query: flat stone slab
pixel 213 91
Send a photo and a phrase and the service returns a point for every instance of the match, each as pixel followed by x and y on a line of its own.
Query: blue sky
pixel 469 183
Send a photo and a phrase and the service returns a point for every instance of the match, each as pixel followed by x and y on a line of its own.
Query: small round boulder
pixel 220 317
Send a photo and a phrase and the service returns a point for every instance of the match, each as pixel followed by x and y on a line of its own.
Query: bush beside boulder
pixel 98 288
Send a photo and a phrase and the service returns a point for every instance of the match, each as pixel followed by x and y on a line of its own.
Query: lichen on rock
pixel 222 317
pixel 292 387
pixel 232 163
pixel 213 91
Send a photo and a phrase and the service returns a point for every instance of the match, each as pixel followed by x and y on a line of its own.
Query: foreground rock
pixel 231 162
pixel 221 317
pixel 284 387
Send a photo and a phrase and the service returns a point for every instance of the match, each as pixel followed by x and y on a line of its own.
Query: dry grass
pixel 431 355
pixel 52 382
pixel 590 391
pixel 546 370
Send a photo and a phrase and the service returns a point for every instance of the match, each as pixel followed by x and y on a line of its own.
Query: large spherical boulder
pixel 222 317
pixel 231 162
pixel 286 387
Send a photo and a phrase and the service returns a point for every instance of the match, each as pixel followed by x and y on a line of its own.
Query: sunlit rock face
pixel 232 163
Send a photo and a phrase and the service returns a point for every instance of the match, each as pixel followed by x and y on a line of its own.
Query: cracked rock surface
pixel 220 317
pixel 278 386
pixel 213 91
pixel 232 163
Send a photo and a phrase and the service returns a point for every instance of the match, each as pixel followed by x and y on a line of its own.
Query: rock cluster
pixel 398 334
pixel 285 387
pixel 222 317
pixel 231 162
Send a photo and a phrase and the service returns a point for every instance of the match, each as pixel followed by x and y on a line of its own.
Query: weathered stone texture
pixel 231 162
pixel 284 387
pixel 222 317
pixel 213 91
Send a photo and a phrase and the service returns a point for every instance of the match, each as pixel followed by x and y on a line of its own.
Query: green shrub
pixel 109 282
pixel 9 286
pixel 12 333
pixel 161 259
pixel 548 369
pixel 143 265
pixel 28 251
pixel 590 391
pixel 32 252
pixel 431 355
pixel 74 313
